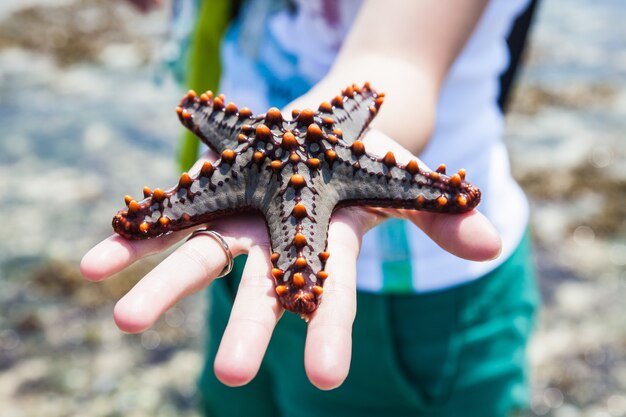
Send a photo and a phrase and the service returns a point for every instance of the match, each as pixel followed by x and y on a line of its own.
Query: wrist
pixel 409 112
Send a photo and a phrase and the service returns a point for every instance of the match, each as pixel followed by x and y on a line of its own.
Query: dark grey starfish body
pixel 295 172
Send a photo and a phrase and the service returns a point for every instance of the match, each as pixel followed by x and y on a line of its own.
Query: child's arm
pixel 404 48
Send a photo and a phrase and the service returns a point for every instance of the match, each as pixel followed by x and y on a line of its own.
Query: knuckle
pixel 192 254
pixel 256 281
pixel 252 322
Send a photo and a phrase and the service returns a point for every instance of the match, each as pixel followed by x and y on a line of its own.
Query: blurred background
pixel 87 116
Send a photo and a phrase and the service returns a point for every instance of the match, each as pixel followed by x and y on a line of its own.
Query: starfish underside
pixel 295 173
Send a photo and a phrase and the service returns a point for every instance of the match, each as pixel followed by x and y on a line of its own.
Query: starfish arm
pixel 298 218
pixel 365 179
pixel 351 112
pixel 216 124
pixel 218 189
pixel 296 173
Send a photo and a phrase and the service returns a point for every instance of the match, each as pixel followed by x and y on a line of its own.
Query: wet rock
pixel 70 32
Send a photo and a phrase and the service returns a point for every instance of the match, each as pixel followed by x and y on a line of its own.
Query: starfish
pixel 296 173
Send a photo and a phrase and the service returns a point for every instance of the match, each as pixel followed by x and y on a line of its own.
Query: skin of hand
pixel 408 58
pixel 256 311
pixel 405 49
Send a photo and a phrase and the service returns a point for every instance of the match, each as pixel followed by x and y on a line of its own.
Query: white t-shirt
pixel 273 54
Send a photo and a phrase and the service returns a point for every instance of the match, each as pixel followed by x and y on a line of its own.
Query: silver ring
pixel 220 240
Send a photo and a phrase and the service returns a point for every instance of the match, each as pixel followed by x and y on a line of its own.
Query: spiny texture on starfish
pixel 295 172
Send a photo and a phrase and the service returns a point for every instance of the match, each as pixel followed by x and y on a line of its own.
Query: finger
pixel 190 268
pixel 116 253
pixel 328 348
pixel 252 320
pixel 469 235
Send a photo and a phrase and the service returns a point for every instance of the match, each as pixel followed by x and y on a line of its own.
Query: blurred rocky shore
pixel 566 132
pixel 86 117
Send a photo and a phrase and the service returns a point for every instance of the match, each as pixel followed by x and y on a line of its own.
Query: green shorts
pixel 456 352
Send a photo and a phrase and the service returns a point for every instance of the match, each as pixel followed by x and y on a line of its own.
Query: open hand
pixel 196 263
